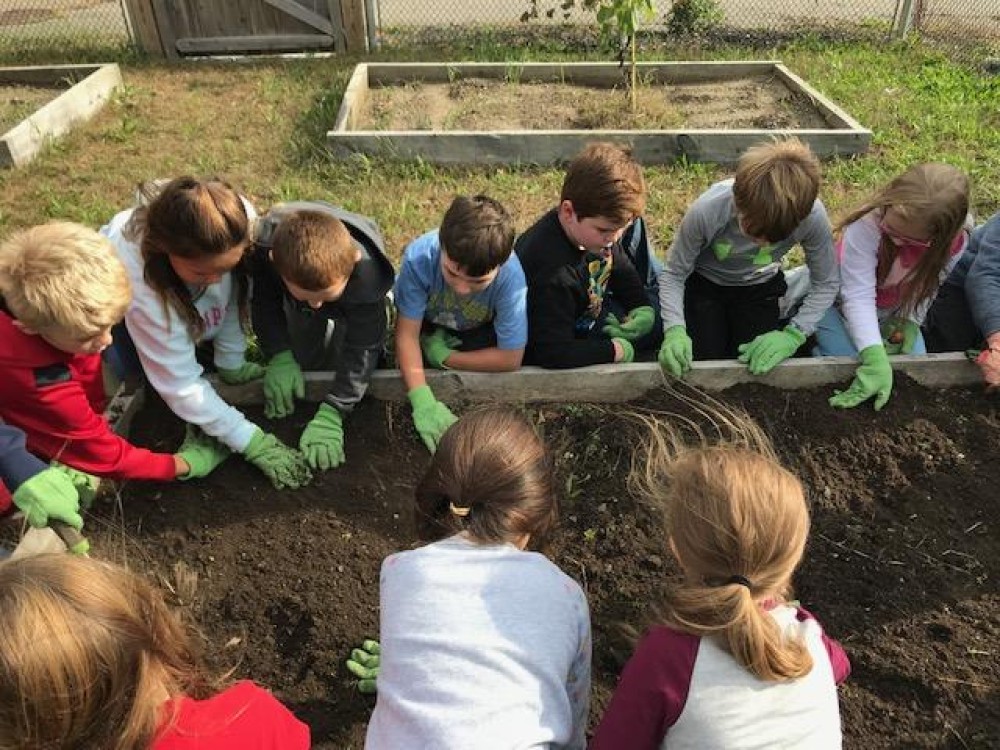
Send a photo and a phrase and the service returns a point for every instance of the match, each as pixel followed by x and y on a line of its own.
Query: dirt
pixel 902 565
pixel 489 104
pixel 20 102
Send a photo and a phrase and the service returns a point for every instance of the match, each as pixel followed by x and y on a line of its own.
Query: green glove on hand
pixel 872 378
pixel 284 466
pixel 201 453
pixel 243 374
pixel 438 346
pixel 637 324
pixel 322 441
pixel 675 352
pixel 431 418
pixel 364 664
pixel 770 349
pixel 899 335
pixel 283 383
pixel 50 494
pixel 86 484
pixel 628 351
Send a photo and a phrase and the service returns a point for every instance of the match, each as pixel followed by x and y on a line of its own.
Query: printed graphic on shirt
pixel 51 375
pixel 722 249
pixel 598 274
pixel 448 309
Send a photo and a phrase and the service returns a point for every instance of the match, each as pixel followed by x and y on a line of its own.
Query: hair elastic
pixel 740 580
pixel 460 512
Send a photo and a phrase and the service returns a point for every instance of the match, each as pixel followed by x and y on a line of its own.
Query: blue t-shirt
pixel 422 294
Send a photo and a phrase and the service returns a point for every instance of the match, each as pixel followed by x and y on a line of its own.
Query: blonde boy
pixel 63 288
pixel 319 303
pixel 720 287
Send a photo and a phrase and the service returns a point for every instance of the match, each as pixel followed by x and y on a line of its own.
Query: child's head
pixel 477 237
pixel 192 233
pixel 737 523
pixel 314 254
pixel 920 212
pixel 602 193
pixel 88 654
pixel 65 283
pixel 775 188
pixel 491 478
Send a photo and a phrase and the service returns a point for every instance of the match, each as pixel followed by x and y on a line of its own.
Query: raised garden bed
pixel 40 103
pixel 545 112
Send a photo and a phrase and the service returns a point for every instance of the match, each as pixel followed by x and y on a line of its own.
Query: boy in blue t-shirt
pixel 461 299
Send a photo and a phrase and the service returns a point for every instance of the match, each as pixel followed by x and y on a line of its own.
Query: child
pixel 733 664
pixel 483 644
pixel 320 279
pixel 183 254
pixel 464 290
pixel 586 301
pixel 40 492
pixel 720 287
pixel 894 253
pixel 63 288
pixel 966 314
pixel 91 657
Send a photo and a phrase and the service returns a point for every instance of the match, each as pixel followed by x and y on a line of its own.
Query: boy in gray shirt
pixel 720 287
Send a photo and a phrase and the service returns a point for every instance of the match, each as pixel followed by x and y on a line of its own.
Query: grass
pixel 262 126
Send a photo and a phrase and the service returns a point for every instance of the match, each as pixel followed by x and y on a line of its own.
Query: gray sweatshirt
pixel 483 646
pixel 710 242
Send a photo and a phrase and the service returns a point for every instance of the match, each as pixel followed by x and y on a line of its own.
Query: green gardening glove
pixel 322 442
pixel 201 453
pixel 284 466
pixel 431 418
pixel 49 495
pixel 364 664
pixel 872 378
pixel 770 349
pixel 438 346
pixel 675 352
pixel 628 351
pixel 899 335
pixel 283 383
pixel 243 374
pixel 86 484
pixel 638 323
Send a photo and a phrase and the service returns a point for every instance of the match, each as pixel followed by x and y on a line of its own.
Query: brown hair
pixel 734 516
pixel 312 249
pixel 86 649
pixel 491 477
pixel 191 219
pixel 604 180
pixel 775 188
pixel 934 196
pixel 477 233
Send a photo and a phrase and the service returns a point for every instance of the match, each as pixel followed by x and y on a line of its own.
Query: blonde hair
pixel 737 521
pixel 934 196
pixel 605 180
pixel 86 650
pixel 775 188
pixel 63 277
pixel 313 250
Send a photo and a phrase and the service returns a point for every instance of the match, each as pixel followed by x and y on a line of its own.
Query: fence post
pixel 353 13
pixel 142 22
pixel 904 24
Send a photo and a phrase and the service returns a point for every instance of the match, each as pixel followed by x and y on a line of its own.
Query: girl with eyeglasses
pixel 894 251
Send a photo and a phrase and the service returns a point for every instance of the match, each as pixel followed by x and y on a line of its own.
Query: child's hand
pixel 49 495
pixel 675 352
pixel 283 383
pixel 624 351
pixel 431 418
pixel 638 323
pixel 322 441
pixel 438 346
pixel 988 361
pixel 873 378
pixel 284 466
pixel 86 484
pixel 899 335
pixel 201 453
pixel 770 349
pixel 243 374
pixel 364 664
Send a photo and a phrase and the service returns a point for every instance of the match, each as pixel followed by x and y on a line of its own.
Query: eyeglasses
pixel 899 239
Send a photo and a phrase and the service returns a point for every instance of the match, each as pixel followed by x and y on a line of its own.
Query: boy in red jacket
pixel 62 287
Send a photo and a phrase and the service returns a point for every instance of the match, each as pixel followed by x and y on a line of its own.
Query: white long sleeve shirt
pixel 167 351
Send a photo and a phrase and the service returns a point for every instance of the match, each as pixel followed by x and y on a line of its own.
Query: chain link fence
pixel 66 29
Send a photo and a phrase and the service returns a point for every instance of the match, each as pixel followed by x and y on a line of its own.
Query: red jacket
pixel 58 398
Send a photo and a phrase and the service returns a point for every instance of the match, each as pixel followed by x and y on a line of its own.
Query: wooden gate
pixel 219 27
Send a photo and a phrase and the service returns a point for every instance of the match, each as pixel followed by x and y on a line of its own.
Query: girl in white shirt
pixel 184 254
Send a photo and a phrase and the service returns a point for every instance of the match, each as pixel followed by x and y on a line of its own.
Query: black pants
pixel 949 326
pixel 720 318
